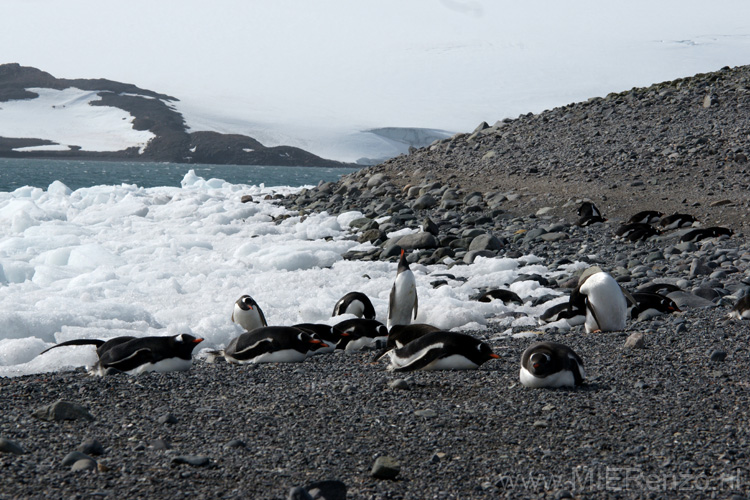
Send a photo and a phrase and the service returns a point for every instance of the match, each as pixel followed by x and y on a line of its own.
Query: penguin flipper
pixel 591 309
pixel 262 316
pixel 96 342
pixel 427 357
pixel 392 301
pixel 416 303
pixel 382 353
pixel 261 347
pixel 629 297
pixel 127 363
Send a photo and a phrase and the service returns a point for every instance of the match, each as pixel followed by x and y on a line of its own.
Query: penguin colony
pixel 598 302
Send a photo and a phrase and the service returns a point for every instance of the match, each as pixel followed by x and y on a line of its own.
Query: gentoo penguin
pixel 549 364
pixel 677 220
pixel 134 355
pixel 504 295
pixel 403 299
pixel 637 231
pixel 741 309
pixel 330 335
pixel 650 304
pixel 248 314
pixel 355 303
pixel 362 334
pixel 646 217
pixel 564 310
pixel 603 300
pixel 441 351
pixel 588 214
pixel 400 335
pixel 708 232
pixel 271 344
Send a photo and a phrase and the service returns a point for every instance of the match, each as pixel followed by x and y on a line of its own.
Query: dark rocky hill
pixel 678 146
pixel 152 112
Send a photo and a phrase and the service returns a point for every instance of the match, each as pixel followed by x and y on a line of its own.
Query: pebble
pixel 636 340
pixel 194 460
pixel 63 410
pixel 75 456
pixel 718 356
pixel 399 384
pixel 91 446
pixel 427 413
pixel 8 446
pixel 385 468
pixel 167 419
pixel 84 464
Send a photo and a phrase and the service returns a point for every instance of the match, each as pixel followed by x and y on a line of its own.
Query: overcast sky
pixel 430 63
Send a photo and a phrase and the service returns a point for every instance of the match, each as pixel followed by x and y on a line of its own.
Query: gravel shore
pixel 667 420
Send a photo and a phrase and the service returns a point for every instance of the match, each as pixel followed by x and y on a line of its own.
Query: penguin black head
pixel 403 265
pixel 246 303
pixel 185 343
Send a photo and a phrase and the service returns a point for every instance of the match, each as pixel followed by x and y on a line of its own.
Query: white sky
pixel 351 65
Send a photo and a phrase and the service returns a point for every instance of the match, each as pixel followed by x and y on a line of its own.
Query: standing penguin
pixel 248 314
pixel 549 364
pixel 403 299
pixel 603 300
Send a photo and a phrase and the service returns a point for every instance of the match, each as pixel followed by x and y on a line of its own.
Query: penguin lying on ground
pixel 441 351
pixel 248 314
pixel 400 335
pixel 564 310
pixel 549 364
pixel 646 217
pixel 603 300
pixel 403 299
pixel 356 303
pixel 134 355
pixel 708 232
pixel 649 305
pixel 588 214
pixel 330 335
pixel 677 220
pixel 271 344
pixel 504 295
pixel 659 287
pixel 362 334
pixel 636 232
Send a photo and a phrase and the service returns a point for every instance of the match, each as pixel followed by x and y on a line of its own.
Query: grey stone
pixel 167 419
pixel 73 457
pixel 399 384
pixel 327 490
pixel 376 180
pixel 556 236
pixel 471 256
pixel 427 413
pixel 84 464
pixel 485 242
pixel 636 341
pixel 62 410
pixel 299 493
pixel 424 202
pixel 698 267
pixel 417 240
pixel 8 446
pixel 194 460
pixel 91 446
pixel 686 300
pixel 385 468
pixel 718 356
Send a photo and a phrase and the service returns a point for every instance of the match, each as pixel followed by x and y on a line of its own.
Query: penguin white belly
pixel 249 320
pixel 606 299
pixel 165 365
pixel 740 314
pixel 281 356
pixel 330 347
pixel 559 379
pixel 356 308
pixel 403 298
pixel 365 343
pixel 452 362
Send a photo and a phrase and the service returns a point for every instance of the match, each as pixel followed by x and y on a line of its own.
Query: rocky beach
pixel 663 412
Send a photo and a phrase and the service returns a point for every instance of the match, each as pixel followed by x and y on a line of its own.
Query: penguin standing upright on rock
pixel 603 300
pixel 403 299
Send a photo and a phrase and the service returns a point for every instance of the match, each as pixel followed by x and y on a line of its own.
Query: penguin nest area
pixel 679 146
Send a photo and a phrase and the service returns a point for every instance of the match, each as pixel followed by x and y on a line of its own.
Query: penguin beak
pixel 197 341
pixel 536 365
pixel 494 356
pixel 316 341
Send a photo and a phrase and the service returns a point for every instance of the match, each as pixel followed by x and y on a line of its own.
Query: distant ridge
pixel 152 112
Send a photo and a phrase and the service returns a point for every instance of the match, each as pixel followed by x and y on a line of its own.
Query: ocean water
pixel 16 173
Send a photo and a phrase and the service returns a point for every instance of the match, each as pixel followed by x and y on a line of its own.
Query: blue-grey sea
pixel 77 174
